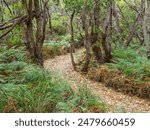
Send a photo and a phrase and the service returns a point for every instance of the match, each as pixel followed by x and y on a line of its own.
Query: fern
pixel 131 63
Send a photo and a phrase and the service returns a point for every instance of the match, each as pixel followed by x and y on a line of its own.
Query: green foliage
pixel 59 24
pixel 64 42
pixel 16 37
pixel 73 5
pixel 25 87
pixel 131 63
pixel 52 49
pixel 56 43
pixel 62 46
pixel 13 66
pixel 130 17
pixel 9 55
pixel 77 5
pixel 81 102
pixel 125 54
pixel 15 9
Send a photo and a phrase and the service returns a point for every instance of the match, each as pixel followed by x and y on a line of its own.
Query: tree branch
pixel 21 20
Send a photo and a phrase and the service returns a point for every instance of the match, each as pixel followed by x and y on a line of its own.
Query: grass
pixel 52 51
pixel 9 55
pixel 63 41
pixel 24 87
pixel 132 63
pixel 55 48
pixel 58 47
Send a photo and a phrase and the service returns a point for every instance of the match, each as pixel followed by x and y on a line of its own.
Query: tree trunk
pixel 28 28
pixel 106 48
pixel 95 31
pixel 86 39
pixel 34 44
pixel 117 21
pixel 40 33
pixel 50 24
pixel 72 48
pixel 133 29
pixel 107 34
pixel 146 27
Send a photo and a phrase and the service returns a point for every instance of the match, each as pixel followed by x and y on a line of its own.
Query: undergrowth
pixel 60 46
pixel 24 87
pixel 132 63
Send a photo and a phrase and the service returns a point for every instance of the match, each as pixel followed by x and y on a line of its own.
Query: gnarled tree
pixel 32 9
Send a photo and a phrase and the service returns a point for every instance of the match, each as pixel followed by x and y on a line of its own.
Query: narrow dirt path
pixel 62 65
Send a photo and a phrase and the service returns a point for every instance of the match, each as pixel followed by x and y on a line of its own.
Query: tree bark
pixel 72 48
pixel 117 21
pixel 28 27
pixel 95 31
pixel 146 27
pixel 40 32
pixel 107 33
pixel 34 44
pixel 86 39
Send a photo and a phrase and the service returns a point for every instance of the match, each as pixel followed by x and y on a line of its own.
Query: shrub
pixel 42 91
pixel 132 64
pixel 25 87
pixel 82 101
pixel 59 24
pixel 7 56
pixel 50 51
pixel 53 48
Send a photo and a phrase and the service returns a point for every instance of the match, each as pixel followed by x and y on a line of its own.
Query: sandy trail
pixel 62 65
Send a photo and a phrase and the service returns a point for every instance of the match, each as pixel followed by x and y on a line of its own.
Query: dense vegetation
pixel 25 87
pixel 112 34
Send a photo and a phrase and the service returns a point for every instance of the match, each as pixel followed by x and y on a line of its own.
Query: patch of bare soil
pixel 116 100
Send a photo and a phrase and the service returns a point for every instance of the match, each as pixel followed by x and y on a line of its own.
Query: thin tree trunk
pixel 72 49
pixel 148 31
pixel 116 16
pixel 146 28
pixel 132 31
pixel 50 24
pixel 39 33
pixel 28 28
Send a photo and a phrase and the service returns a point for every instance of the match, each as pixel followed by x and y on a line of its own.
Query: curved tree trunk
pixel 34 44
